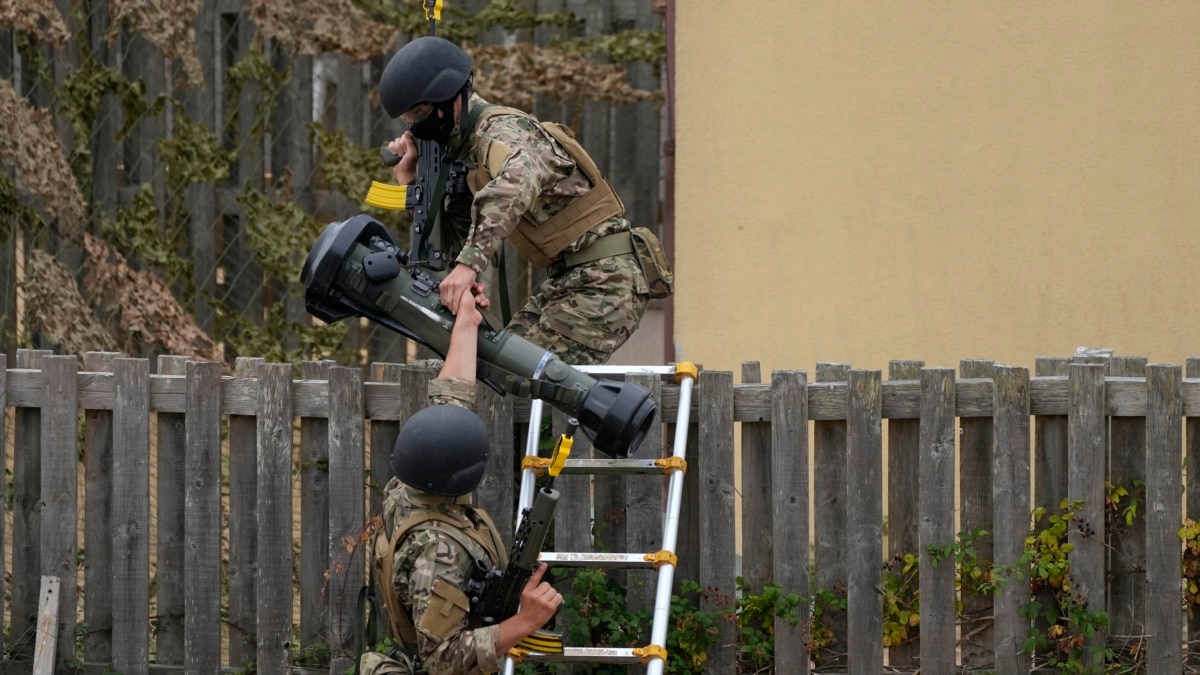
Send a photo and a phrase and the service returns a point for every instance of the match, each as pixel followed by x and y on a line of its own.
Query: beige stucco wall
pixel 862 181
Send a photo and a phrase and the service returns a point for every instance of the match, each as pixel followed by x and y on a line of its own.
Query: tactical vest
pixel 482 543
pixel 541 243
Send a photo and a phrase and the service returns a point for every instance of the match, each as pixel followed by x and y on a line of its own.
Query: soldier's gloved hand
pixel 405 148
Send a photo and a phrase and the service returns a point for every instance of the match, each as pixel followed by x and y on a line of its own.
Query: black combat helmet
pixel 426 70
pixel 443 450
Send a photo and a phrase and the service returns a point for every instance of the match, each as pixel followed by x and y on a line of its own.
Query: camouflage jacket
pixel 539 179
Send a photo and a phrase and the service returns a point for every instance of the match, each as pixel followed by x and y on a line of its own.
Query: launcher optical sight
pixel 356 269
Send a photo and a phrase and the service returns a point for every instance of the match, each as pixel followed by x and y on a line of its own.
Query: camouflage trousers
pixel 374 663
pixel 584 313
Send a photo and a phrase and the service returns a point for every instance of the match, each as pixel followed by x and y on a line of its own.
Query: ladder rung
pixel 612 466
pixel 605 560
pixel 592 654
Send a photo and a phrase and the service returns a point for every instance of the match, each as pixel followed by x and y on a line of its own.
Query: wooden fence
pixel 243 546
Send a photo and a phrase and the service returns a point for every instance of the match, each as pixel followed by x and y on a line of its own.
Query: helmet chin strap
pixel 464 96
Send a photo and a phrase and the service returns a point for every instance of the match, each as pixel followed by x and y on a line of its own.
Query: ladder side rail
pixel 666 572
pixel 533 439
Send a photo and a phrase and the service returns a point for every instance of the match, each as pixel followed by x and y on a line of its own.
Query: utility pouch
pixel 653 260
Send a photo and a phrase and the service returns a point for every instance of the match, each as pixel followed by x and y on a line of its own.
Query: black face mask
pixel 438 125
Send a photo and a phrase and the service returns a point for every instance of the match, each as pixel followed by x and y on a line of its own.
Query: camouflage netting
pixel 29 144
pixel 312 27
pixel 517 74
pixel 38 18
pixel 137 305
pixel 135 270
pixel 167 24
pixel 54 305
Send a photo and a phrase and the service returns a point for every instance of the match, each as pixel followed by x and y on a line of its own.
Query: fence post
pixel 131 516
pixel 1164 559
pixel 1085 484
pixel 1010 487
pixel 864 520
pixel 936 508
pixel 789 517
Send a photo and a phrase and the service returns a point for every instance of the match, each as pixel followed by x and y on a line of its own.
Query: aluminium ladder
pixel 653 655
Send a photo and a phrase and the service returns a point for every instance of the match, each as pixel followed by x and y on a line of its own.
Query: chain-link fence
pixel 168 163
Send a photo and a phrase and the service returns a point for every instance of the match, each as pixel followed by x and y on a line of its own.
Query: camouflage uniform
pixel 426 556
pixel 582 313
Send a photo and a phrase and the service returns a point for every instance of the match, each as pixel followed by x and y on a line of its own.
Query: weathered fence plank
pixel 170 460
pixel 3 463
pixel 644 509
pixel 1011 503
pixel 757 492
pixel 314 512
pixel 976 519
pixel 243 532
pixel 864 518
pixel 382 437
pixel 494 493
pixel 60 462
pixel 1164 504
pixel 789 512
pixel 1127 540
pixel 1085 486
pixel 715 476
pixel 27 494
pixel 1192 490
pixel 936 527
pixel 131 517
pixel 903 471
pixel 97 532
pixel 829 490
pixel 202 519
pixel 347 556
pixel 273 581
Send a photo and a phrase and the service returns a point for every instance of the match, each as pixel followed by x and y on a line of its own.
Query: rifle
pixel 500 594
